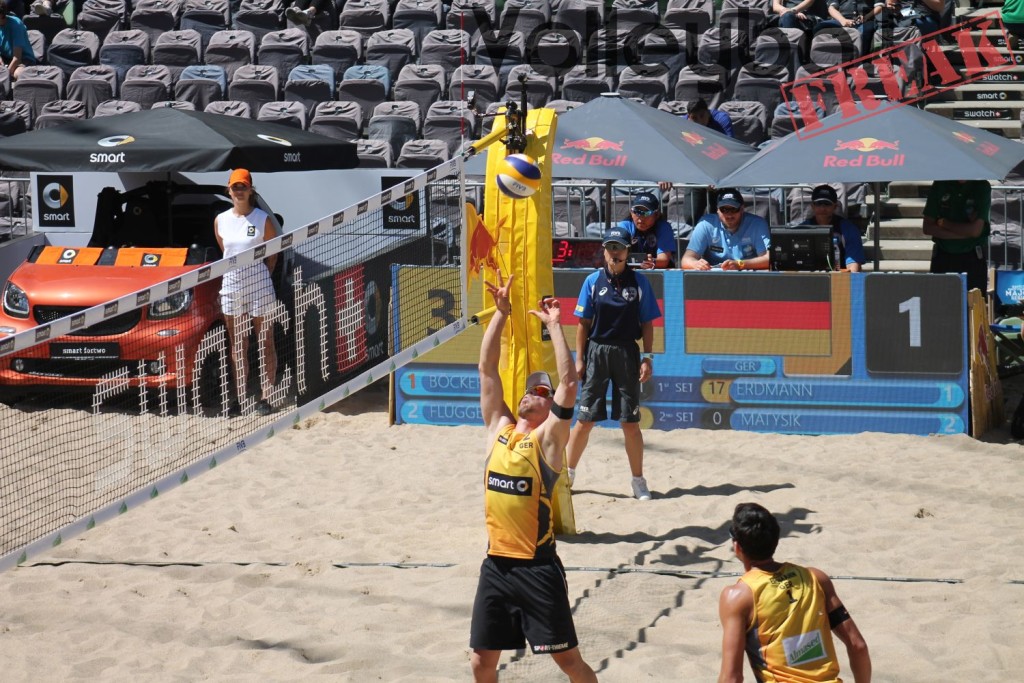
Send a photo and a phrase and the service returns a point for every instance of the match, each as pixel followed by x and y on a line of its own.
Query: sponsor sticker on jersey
pixel 804 648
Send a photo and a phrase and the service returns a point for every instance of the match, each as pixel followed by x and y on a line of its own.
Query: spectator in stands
pixel 926 15
pixel 956 217
pixel 825 201
pixel 248 290
pixel 1013 20
pixel 715 119
pixel 856 14
pixel 302 11
pixel 616 307
pixel 650 233
pixel 15 48
pixel 731 239
pixel 802 14
pixel 782 614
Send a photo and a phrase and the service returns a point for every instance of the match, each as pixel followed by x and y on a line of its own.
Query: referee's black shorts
pixel 519 601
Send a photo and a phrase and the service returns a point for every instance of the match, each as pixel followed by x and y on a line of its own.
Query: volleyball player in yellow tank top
pixel 522 593
pixel 783 615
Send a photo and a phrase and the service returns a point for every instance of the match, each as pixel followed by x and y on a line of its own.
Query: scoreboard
pixel 800 353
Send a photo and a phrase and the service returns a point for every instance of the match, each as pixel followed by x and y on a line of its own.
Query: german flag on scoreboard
pixel 771 314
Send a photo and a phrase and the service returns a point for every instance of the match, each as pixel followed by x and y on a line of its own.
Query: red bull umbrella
pixel 613 138
pixel 892 143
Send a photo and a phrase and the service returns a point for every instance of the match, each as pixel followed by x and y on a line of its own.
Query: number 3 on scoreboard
pixel 913 324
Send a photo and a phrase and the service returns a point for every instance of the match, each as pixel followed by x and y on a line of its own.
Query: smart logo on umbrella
pixel 863 147
pixel 275 140
pixel 111 157
pixel 592 149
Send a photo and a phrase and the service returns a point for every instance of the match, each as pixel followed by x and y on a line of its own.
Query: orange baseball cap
pixel 240 175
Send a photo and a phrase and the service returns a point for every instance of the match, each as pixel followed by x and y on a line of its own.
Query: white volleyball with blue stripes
pixel 518 176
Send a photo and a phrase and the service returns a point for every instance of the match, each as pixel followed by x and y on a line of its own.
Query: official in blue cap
pixel 616 309
pixel 649 232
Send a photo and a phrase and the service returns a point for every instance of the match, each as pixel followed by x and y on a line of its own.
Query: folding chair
pixel 1006 325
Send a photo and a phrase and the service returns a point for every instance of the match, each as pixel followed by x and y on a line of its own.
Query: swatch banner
pixel 795 353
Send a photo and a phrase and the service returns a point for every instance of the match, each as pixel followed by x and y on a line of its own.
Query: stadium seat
pixel 585 82
pixel 101 17
pixel 374 154
pixel 749 120
pixel 468 15
pixel 667 48
pixel 181 105
pixel 206 17
pixel 285 50
pixel 476 81
pixel 310 84
pixel 392 49
pixel 576 15
pixel 367 84
pixel 725 47
pixel 637 16
pixel 259 17
pixel 555 51
pixel 539 87
pixel 231 49
pixel 92 85
pixel 9 109
pixel 396 123
pixel 452 122
pixel 155 17
pixel 37 39
pixel 525 16
pixel 423 84
pixel 610 50
pixel 833 46
pixel 692 17
pixel 256 85
pixel 339 50
pixel 178 49
pixel 201 84
pixel 71 49
pixel 447 47
pixel 230 108
pixel 115 107
pixel 288 113
pixel 785 47
pixel 424 154
pixel 337 119
pixel 419 16
pixel 760 82
pixel 645 82
pixel 146 85
pixel 365 16
pixel 39 85
pixel 707 81
pixel 562 106
pixel 57 112
pixel 787 118
pixel 124 49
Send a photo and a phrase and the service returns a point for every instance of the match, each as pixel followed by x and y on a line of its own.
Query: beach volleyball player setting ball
pixel 518 176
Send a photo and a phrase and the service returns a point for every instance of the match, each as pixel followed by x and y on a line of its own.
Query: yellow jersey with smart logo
pixel 517 498
pixel 789 639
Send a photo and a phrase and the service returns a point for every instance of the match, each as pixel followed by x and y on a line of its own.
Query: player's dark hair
pixel 756 530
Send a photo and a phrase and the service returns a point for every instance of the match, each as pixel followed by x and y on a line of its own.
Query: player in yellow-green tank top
pixel 781 614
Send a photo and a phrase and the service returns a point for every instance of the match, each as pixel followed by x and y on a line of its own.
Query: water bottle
pixel 836 255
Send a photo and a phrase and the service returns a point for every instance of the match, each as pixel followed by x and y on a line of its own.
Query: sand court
pixel 347 548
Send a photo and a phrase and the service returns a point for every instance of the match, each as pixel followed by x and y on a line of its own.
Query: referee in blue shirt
pixel 616 307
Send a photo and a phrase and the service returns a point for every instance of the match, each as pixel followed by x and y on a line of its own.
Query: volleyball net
pixel 122 378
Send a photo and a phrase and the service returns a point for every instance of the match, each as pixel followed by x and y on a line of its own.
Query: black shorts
pixel 619 365
pixel 973 263
pixel 519 601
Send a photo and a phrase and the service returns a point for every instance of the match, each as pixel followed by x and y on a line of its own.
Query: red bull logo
pixel 866 145
pixel 692 138
pixel 864 158
pixel 593 144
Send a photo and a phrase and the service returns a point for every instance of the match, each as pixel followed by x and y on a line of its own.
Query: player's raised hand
pixel 500 293
pixel 550 310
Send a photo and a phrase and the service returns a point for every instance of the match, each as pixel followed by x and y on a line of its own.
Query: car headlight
pixel 175 304
pixel 15 301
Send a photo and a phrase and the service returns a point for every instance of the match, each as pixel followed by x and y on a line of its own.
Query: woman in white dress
pixel 248 290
